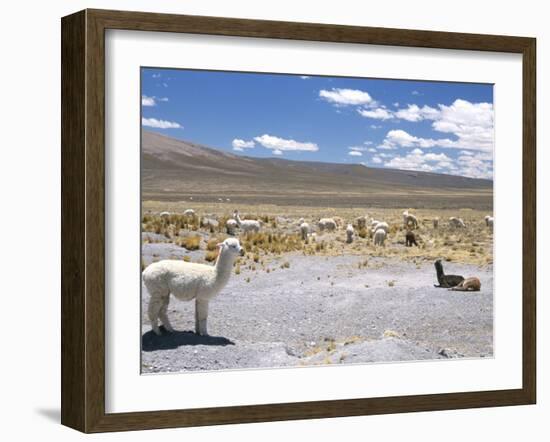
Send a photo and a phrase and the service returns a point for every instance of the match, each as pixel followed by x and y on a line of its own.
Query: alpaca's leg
pixel 163 315
pixel 201 316
pixel 155 305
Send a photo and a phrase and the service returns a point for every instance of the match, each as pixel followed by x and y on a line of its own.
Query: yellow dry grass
pixel 470 245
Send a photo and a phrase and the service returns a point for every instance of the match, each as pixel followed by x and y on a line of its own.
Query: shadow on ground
pixel 169 341
pixel 52 414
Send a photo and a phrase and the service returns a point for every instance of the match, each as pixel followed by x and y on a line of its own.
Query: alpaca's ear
pixel 220 245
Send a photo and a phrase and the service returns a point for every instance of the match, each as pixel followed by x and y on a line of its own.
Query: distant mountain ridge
pixel 174 169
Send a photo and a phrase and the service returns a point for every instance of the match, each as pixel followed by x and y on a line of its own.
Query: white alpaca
pixel 164 214
pixel 248 225
pixel 186 281
pixel 489 220
pixel 456 222
pixel 326 224
pixel 209 222
pixel 379 237
pixel 349 233
pixel 231 225
pixel 381 225
pixel 304 230
pixel 189 212
pixel 409 219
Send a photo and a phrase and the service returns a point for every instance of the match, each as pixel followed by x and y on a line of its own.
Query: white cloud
pixel 378 113
pixel 147 101
pixel 155 75
pixel 374 126
pixel 368 143
pixel 376 160
pixel 160 124
pixel 239 145
pixel 305 77
pixel 152 101
pixel 345 97
pixel 415 113
pixel 471 123
pixel 417 160
pixel 279 145
pixel 415 93
pixel 373 150
pixel 358 148
pixel 479 165
pixel 355 153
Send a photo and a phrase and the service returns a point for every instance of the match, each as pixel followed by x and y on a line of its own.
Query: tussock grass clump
pixel 268 242
pixel 190 242
pixel 211 255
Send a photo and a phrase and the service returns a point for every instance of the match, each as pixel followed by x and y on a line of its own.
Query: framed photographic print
pixel 269 220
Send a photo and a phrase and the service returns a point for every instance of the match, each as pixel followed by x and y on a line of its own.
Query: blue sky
pixel 416 125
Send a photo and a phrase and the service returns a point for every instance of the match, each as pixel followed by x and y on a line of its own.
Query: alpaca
pixel 349 234
pixel 410 220
pixel 231 225
pixel 248 225
pixel 304 230
pixel 186 281
pixel 327 224
pixel 456 222
pixel 472 284
pixel 446 281
pixel 379 237
pixel 410 239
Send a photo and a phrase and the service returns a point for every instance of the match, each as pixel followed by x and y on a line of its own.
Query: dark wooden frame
pixel 83 218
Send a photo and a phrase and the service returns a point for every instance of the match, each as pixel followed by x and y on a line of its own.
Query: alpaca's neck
pixel 238 219
pixel 223 266
pixel 439 271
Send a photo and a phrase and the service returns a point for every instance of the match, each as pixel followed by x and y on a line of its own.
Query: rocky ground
pixel 324 310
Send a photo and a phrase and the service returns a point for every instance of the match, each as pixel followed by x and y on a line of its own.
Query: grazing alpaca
pixel 456 222
pixel 472 284
pixel 231 225
pixel 379 237
pixel 247 225
pixel 446 281
pixel 327 224
pixel 410 239
pixel 304 230
pixel 349 234
pixel 186 281
pixel 409 220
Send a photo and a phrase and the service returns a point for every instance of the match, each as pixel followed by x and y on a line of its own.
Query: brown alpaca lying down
pixel 472 284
